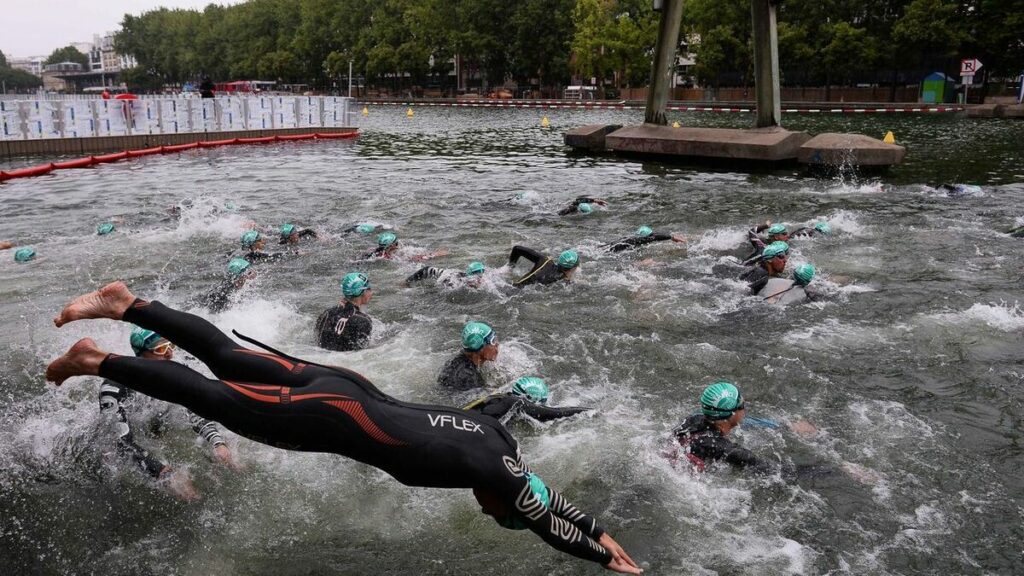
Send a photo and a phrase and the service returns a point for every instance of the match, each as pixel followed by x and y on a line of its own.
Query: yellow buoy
pixel 889 138
pixel 408 113
pixel 366 111
pixel 675 124
pixel 544 123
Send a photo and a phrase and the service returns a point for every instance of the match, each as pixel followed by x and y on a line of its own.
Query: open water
pixel 911 366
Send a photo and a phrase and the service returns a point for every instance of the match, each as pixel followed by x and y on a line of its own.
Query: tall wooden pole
pixel 766 63
pixel 663 69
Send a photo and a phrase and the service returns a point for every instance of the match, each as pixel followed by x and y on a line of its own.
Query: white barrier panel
pixel 36 119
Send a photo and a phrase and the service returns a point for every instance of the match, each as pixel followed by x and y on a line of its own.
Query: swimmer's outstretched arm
pixel 524 252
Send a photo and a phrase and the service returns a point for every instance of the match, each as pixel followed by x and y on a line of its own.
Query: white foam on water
pixel 207 216
pixel 1002 316
pixel 832 334
pixel 846 223
pixel 717 240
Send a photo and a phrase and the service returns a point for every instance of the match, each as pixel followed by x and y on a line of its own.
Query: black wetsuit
pixel 806 232
pixel 544 270
pixel 305 233
pixel 756 242
pixel 385 252
pixel 355 228
pixel 1017 232
pixel 505 406
pixel 460 374
pixel 255 257
pixel 575 206
pixel 634 242
pixel 114 397
pixel 291 404
pixel 757 277
pixel 343 328
pixel 446 277
pixel 218 299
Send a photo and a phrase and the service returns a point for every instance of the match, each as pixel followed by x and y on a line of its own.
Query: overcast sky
pixel 38 27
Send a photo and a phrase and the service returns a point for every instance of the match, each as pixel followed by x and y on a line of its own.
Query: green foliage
pixel 3 61
pixel 67 54
pixel 19 80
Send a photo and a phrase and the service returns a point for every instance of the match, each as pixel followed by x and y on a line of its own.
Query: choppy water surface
pixel 911 366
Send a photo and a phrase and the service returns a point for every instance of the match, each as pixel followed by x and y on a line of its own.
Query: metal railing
pixel 39 119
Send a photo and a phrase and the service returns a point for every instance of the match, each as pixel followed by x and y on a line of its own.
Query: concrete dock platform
pixel 590 137
pixel 837 150
pixel 1013 111
pixel 771 145
pixel 985 111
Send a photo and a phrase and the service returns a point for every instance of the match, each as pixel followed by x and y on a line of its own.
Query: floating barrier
pixel 624 105
pixel 118 156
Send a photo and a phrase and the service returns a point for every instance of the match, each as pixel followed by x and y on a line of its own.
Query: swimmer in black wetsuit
pixel 471 277
pixel 795 290
pixel 218 299
pixel 346 327
pixel 776 233
pixel 290 234
pixel 479 345
pixel 387 249
pixel 253 242
pixel 644 235
pixel 771 264
pixel 582 205
pixel 292 404
pixel 365 228
pixel 115 396
pixel 702 438
pixel 819 229
pixel 545 270
pixel 529 396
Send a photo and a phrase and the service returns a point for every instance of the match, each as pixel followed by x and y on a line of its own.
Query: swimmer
pixel 776 233
pixel 114 397
pixel 253 242
pixel 387 249
pixel 789 290
pixel 582 205
pixel 643 235
pixel 472 277
pixel 293 404
pixel 24 254
pixel 529 396
pixel 959 190
pixel 770 264
pixel 479 345
pixel 545 270
pixel 218 299
pixel 104 228
pixel 819 229
pixel 290 234
pixel 346 327
pixel 1016 232
pixel 365 228
pixel 702 438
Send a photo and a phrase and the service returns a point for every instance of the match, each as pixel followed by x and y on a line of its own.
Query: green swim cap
pixel 803 274
pixel 24 254
pixel 568 260
pixel 249 238
pixel 775 249
pixel 237 266
pixel 532 388
pixel 287 230
pixel 143 340
pixel 824 228
pixel 365 228
pixel 777 229
pixel 540 490
pixel 475 268
pixel 644 231
pixel 476 335
pixel 720 400
pixel 354 284
pixel 585 207
pixel 386 239
pixel 105 228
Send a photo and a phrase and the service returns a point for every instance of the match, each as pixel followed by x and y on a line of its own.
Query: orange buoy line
pixel 118 156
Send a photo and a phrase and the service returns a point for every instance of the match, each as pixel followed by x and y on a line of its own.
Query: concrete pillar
pixel 766 63
pixel 664 61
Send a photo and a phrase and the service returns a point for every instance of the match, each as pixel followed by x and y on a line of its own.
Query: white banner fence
pixel 39 119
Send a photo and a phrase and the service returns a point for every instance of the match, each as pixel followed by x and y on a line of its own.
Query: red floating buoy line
pixel 118 156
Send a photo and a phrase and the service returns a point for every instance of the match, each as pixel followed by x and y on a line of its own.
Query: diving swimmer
pixel 471 277
pixel 529 395
pixel 346 327
pixel 218 299
pixel 115 396
pixel 479 345
pixel 643 235
pixel 289 403
pixel 545 270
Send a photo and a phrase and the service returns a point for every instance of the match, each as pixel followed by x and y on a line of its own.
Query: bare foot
pixel 111 301
pixel 82 359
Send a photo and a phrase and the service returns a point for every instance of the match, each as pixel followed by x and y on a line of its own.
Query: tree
pixel 930 29
pixel 3 60
pixel 67 54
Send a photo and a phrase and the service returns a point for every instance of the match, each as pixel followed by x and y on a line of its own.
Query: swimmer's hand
pixel 678 238
pixel 621 562
pixel 222 455
pixel 860 473
pixel 803 428
pixel 179 483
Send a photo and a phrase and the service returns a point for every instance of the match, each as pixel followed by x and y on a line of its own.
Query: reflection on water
pixel 910 365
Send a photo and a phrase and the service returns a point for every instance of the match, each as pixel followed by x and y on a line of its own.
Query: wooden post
pixel 766 63
pixel 664 65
